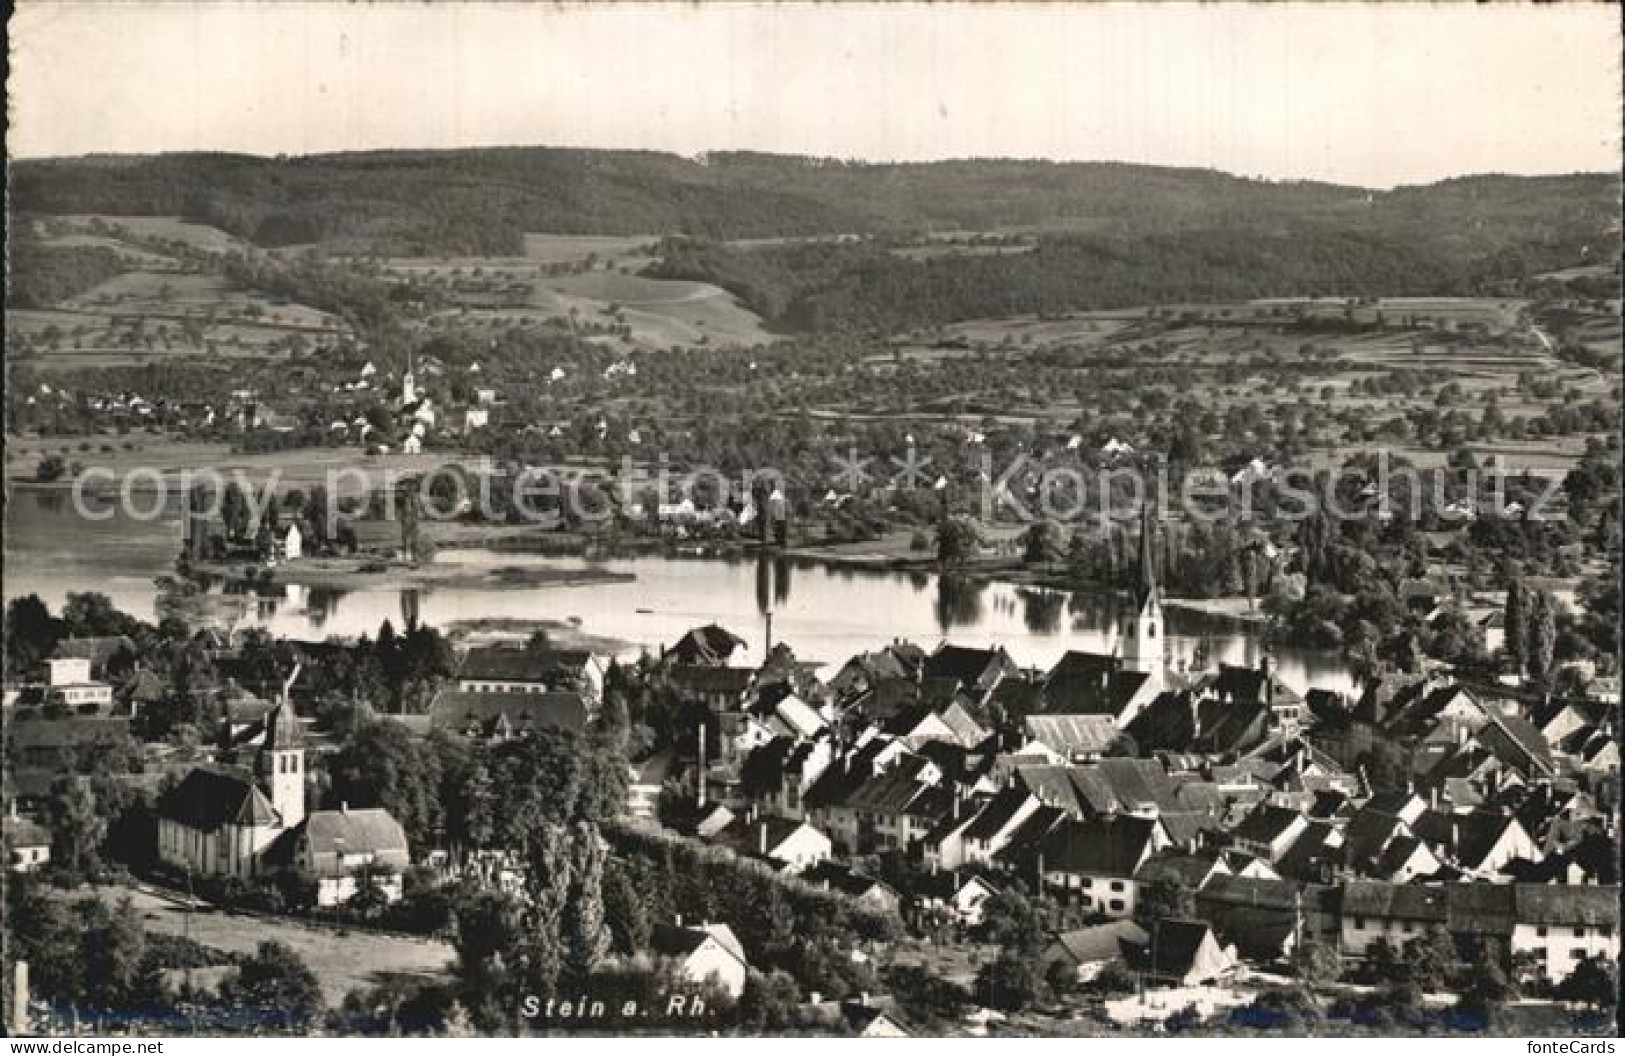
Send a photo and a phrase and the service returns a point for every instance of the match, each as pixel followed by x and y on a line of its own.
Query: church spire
pixel 1143 631
pixel 1145 587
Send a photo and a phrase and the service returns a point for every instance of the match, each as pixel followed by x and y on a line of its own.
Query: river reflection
pixel 824 614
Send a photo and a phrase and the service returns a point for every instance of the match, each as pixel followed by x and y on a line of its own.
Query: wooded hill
pixel 1106 234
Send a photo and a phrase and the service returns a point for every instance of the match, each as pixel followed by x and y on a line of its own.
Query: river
pixel 824 614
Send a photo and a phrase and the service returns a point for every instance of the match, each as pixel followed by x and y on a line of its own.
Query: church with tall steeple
pixel 1143 631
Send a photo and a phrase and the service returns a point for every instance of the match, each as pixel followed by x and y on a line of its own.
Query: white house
pixel 1559 925
pixel 70 682
pixel 28 845
pixel 344 849
pixel 708 953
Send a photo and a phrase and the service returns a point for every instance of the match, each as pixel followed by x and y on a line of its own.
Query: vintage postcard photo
pixel 996 520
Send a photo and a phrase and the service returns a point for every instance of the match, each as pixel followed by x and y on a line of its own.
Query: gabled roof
pixel 1191 871
pixel 1310 852
pixel 711 680
pixel 506 714
pixel 1166 724
pixel 1566 905
pixel 1367 898
pixel 1469 837
pixel 1083 694
pixel 1230 726
pixel 997 814
pixel 1252 686
pixel 21 832
pixel 1076 663
pixel 493 663
pixel 1052 785
pixel 843 878
pixel 798 717
pixel 207 799
pixel 1515 742
pixel 1112 847
pixel 745 834
pixel 1267 824
pixel 365 830
pixel 710 644
pixel 667 940
pixel 965 665
pixel 1072 735
pixel 966 729
pixel 1103 942
pixel 1177 949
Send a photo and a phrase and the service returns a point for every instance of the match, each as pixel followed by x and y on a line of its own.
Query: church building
pixel 220 819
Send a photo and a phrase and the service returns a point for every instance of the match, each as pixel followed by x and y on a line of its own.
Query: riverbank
pixel 353 574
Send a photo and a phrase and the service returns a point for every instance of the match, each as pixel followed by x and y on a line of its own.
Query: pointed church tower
pixel 1142 634
pixel 409 383
pixel 281 763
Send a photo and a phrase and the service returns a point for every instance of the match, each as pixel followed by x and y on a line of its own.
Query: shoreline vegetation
pixel 337 573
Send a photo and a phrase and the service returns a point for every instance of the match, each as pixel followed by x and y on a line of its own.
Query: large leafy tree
pixel 381 764
pixel 276 984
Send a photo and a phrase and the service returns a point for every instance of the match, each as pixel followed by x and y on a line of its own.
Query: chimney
pixel 762 843
pixel 678 920
pixel 344 806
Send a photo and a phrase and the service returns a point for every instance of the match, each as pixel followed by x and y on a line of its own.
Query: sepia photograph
pixel 751 519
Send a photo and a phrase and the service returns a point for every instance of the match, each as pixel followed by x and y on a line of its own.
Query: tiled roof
pixel 508 664
pixel 209 798
pixel 710 644
pixel 1099 846
pixel 508 714
pixel 1073 734
pixel 1084 694
pixel 367 830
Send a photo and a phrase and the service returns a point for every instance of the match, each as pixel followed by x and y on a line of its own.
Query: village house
pixel 1094 862
pixel 788 846
pixel 988 832
pixel 499 669
pixel 710 953
pixel 711 646
pixel 1086 951
pixel 27 844
pixel 500 715
pixel 69 683
pixel 345 850
pixel 836 876
pixel 954 896
pixel 977 671
pixel 1558 926
pixel 1180 953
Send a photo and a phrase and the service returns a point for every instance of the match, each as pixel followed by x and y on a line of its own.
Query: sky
pixel 1363 93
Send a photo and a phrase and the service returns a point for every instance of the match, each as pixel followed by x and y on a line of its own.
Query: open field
pixel 343 960
pixel 560 249
pixel 660 313
pixel 298 468
pixel 162 228
pixel 145 315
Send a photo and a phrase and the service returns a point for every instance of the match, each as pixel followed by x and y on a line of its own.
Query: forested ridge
pixel 1092 235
